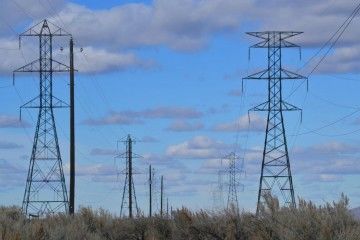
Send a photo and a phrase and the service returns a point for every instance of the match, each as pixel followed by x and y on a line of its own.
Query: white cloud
pixel 333 148
pixel 184 25
pixel 252 122
pixel 179 24
pixel 149 139
pixel 326 159
pixel 12 122
pixel 188 24
pixel 93 170
pixel 137 117
pixel 89 60
pixel 18 12
pixel 113 118
pixel 213 166
pixel 342 60
pixel 103 152
pixel 330 158
pixel 11 175
pixel 101 60
pixel 9 145
pixel 198 147
pixel 171 112
pixel 184 126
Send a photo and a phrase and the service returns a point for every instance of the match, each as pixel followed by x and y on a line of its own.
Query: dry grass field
pixel 308 221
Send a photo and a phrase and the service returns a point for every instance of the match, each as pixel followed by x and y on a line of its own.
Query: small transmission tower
pixel 232 172
pixel 128 195
pixel 275 170
pixel 233 183
pixel 45 191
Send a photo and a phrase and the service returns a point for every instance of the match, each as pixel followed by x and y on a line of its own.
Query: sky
pixel 170 74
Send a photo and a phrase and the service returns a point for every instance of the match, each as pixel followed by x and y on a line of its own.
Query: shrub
pixel 307 221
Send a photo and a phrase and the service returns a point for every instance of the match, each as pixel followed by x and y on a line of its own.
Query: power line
pixel 353 14
pixel 334 43
pixel 330 124
pixel 98 86
pixel 102 96
pixel 340 29
pixel 23 9
pixel 339 32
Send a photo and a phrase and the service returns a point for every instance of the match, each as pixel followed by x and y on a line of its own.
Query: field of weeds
pixel 307 221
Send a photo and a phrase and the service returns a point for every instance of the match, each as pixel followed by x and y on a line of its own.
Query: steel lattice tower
pixel 232 194
pixel 128 195
pixel 276 175
pixel 45 191
pixel 232 172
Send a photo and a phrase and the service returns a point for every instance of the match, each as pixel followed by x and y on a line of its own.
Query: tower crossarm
pixel 35 103
pixel 34 66
pixel 264 107
pixel 285 75
pixel 44 28
pixel 284 43
pixel 267 34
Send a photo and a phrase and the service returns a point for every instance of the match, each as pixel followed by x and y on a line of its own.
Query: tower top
pixel 266 34
pixel 45 27
pixel 274 39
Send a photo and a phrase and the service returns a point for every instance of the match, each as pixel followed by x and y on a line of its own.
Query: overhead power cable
pixel 337 35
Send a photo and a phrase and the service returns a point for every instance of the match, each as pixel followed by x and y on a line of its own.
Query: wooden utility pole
pixel 72 130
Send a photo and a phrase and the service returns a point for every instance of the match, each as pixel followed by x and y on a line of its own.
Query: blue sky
pixel 169 73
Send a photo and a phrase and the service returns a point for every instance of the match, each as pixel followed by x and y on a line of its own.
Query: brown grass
pixel 307 221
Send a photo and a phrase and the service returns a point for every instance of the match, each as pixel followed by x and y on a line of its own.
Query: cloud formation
pixel 95 60
pixel 107 35
pixel 149 139
pixel 138 117
pixel 12 122
pixel 15 12
pixel 179 24
pixel 102 152
pixel 11 175
pixel 9 145
pixel 184 126
pixel 255 123
pixel 198 147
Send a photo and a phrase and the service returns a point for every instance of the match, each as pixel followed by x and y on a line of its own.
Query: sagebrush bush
pixel 306 221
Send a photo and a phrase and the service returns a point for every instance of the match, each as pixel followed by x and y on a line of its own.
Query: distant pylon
pixel 128 195
pixel 233 172
pixel 276 175
pixel 233 183
pixel 218 189
pixel 45 191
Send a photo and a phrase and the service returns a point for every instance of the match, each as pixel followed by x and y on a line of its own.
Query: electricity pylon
pixel 276 175
pixel 128 195
pixel 45 191
pixel 233 183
